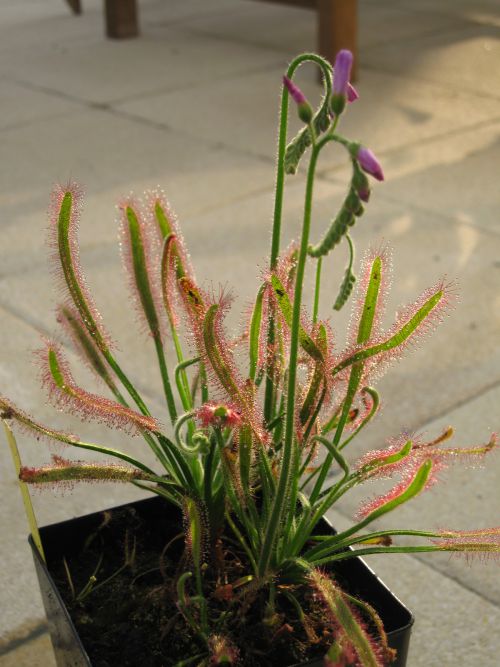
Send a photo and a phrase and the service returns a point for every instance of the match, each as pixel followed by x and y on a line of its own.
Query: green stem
pixel 270 394
pixel 321 550
pixel 381 550
pixel 242 541
pixel 167 387
pixel 288 457
pixel 317 290
pixel 354 380
pixel 126 382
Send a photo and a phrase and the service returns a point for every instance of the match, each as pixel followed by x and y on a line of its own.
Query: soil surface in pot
pixel 128 614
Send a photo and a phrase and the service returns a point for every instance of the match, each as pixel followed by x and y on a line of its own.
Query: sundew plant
pixel 253 447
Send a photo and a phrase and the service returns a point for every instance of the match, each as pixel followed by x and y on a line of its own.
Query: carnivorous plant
pixel 254 445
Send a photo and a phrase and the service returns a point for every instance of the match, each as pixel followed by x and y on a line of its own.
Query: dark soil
pixel 130 617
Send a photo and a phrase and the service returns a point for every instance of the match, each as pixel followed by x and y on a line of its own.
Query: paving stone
pixel 393 111
pixel 117 69
pixel 35 653
pixel 464 165
pixel 472 10
pixel 450 621
pixel 21 105
pixel 463 59
pixel 157 15
pixel 109 156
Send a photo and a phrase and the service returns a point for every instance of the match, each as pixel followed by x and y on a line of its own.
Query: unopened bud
pixel 369 163
pixel 305 112
pixel 304 109
pixel 341 75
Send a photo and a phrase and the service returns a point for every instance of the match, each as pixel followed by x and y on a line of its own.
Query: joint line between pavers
pixel 16 642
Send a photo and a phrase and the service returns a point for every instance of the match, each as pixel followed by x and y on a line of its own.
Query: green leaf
pixel 316 380
pixel 413 489
pixel 301 142
pixel 87 346
pixel 219 364
pixel 398 338
pixel 194 531
pixel 370 303
pixel 167 229
pixel 140 269
pixel 387 460
pixel 286 307
pixel 353 634
pixel 255 326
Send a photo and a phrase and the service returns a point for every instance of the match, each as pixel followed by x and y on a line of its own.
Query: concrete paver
pixel 463 163
pixel 464 59
pixel 109 155
pixel 32 653
pixel 401 111
pixel 21 106
pixel 112 70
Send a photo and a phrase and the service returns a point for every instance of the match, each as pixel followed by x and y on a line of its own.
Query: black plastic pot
pixel 67 537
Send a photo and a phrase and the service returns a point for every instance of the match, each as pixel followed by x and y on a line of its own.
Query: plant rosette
pixel 239 566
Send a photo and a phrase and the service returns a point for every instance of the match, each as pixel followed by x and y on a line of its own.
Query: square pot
pixel 68 537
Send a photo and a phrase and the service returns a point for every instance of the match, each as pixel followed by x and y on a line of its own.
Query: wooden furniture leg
pixel 121 19
pixel 337 29
pixel 75 6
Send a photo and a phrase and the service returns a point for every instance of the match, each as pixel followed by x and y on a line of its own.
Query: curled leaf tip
pixel 10 411
pixel 65 393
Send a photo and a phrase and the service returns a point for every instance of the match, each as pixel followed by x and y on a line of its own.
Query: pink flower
pixel 341 75
pixel 218 414
pixel 342 71
pixel 369 163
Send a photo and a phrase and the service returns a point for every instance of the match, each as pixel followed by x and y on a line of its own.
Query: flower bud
pixel 341 74
pixel 304 109
pixel 369 163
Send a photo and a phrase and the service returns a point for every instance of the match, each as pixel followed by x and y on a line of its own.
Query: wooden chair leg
pixel 121 19
pixel 337 29
pixel 75 5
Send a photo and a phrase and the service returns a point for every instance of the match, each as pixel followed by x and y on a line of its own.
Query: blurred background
pixel 191 104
